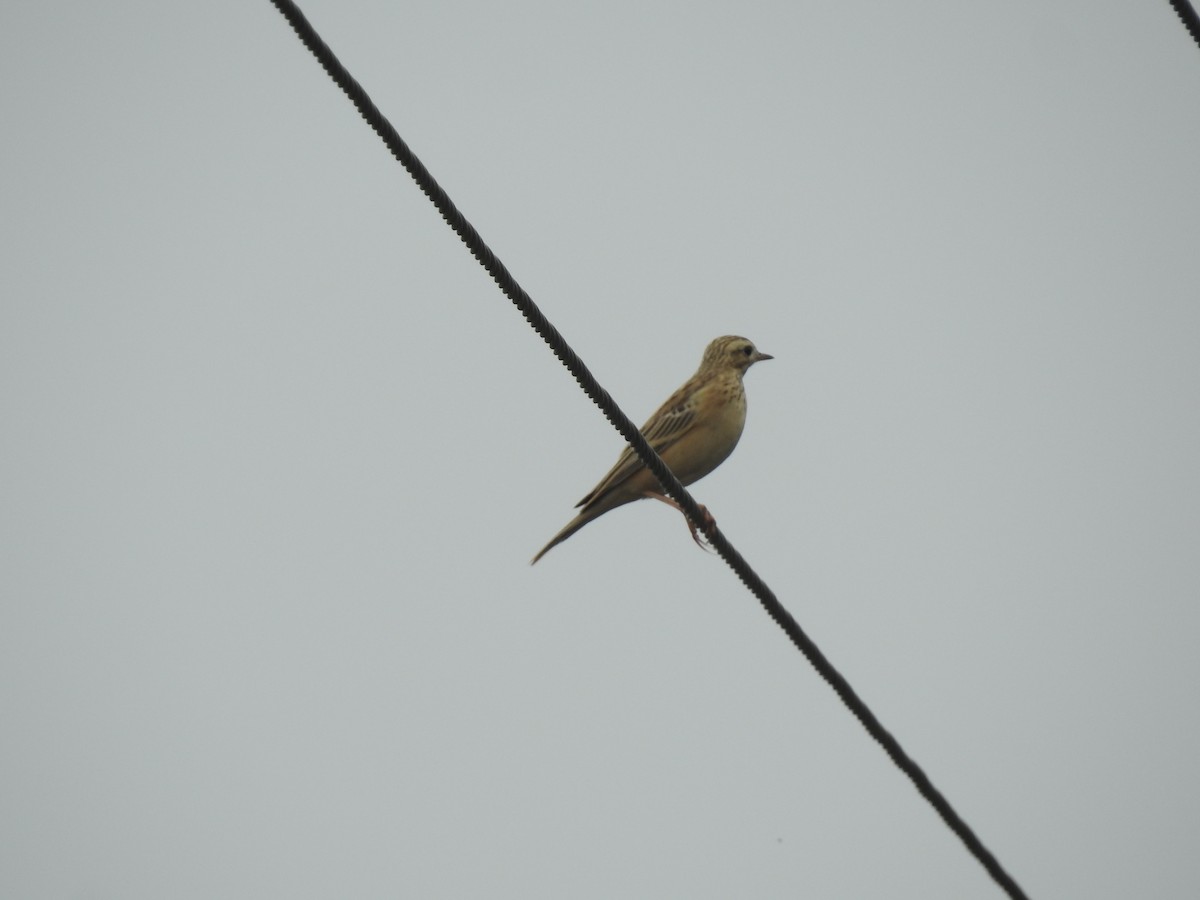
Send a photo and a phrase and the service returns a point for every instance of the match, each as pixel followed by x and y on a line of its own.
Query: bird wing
pixel 671 422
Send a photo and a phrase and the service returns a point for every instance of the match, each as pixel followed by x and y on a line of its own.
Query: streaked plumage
pixel 694 432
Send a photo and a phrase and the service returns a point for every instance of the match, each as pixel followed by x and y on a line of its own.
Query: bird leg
pixel 710 524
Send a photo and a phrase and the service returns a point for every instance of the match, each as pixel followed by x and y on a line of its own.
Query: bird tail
pixel 569 529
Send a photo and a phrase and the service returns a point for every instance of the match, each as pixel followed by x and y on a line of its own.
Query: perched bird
pixel 693 432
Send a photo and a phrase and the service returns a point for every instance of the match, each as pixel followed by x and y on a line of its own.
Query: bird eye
pixel 747 350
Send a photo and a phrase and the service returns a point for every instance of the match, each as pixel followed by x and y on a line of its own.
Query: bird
pixel 694 432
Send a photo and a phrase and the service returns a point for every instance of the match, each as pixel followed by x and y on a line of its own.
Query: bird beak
pixel 759 357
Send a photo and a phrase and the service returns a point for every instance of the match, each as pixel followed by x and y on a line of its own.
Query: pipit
pixel 693 432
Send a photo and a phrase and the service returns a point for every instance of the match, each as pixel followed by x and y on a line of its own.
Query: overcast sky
pixel 275 451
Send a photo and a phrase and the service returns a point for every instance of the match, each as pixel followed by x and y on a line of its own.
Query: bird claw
pixel 709 529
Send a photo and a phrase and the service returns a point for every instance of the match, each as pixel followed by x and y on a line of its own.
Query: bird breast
pixel 716 432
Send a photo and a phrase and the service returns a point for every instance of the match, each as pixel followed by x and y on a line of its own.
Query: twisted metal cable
pixel 629 431
pixel 1191 21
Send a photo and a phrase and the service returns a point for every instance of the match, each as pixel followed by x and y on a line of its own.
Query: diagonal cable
pixel 1187 13
pixel 458 222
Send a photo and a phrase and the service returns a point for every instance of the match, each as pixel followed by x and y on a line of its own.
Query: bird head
pixel 732 352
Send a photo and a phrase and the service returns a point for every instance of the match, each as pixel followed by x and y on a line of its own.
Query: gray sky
pixel 276 452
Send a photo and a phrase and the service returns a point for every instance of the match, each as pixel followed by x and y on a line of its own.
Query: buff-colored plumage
pixel 693 432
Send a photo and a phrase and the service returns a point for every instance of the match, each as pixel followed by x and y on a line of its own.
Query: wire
pixel 1191 21
pixel 629 431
